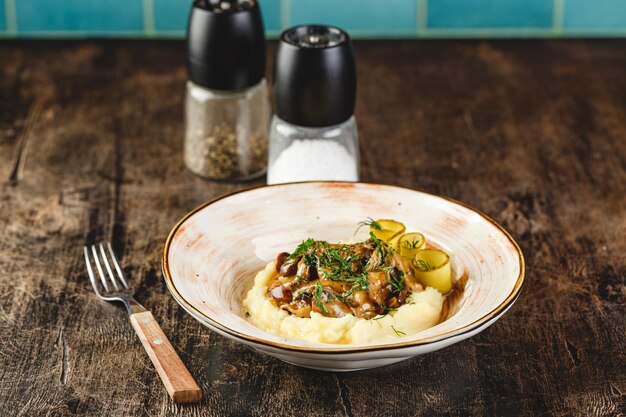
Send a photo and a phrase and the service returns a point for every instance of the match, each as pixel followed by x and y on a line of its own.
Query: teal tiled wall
pixel 362 18
pixel 3 19
pixel 170 16
pixel 595 16
pixel 272 15
pixel 366 17
pixel 110 16
pixel 490 14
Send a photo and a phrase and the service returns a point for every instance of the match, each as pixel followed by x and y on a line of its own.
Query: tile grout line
pixel 148 18
pixel 285 11
pixel 557 16
pixel 490 33
pixel 74 34
pixel 422 17
pixel 495 31
pixel 10 17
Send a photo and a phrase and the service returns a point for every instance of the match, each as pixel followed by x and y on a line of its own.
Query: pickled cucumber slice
pixel 432 269
pixel 409 243
pixel 386 230
pixel 394 242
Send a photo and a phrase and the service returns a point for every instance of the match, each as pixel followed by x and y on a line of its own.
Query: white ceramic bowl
pixel 212 255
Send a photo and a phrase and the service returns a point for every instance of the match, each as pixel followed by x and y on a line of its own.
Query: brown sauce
pixel 451 302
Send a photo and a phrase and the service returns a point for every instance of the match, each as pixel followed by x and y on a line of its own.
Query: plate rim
pixel 198 315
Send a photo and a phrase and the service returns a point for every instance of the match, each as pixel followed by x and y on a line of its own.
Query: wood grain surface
pixel 531 132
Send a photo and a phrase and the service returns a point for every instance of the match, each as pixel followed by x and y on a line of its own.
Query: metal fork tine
pixel 102 276
pixel 105 261
pixel 92 277
pixel 116 265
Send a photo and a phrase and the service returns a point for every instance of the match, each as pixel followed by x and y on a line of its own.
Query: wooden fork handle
pixel 178 381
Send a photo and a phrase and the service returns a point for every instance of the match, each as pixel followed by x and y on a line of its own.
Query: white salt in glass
pixel 313 154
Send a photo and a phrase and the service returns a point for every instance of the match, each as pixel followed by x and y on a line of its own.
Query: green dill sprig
pixel 303 248
pixel 335 263
pixel 336 257
pixel 382 249
pixel 397 280
pixel 398 332
pixel 309 259
pixel 319 291
pixel 336 267
pixel 376 319
pixel 360 282
pixel 411 244
pixel 343 297
pixel 368 223
pixel 387 309
pixel 423 265
pixel 376 240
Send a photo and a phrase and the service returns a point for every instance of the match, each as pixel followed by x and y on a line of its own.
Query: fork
pixel 178 381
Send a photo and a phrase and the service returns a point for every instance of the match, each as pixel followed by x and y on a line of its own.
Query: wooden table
pixel 531 132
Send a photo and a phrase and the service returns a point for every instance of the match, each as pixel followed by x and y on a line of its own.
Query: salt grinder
pixel 227 109
pixel 313 134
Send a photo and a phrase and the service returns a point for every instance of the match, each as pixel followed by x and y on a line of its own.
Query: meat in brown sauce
pixel 364 279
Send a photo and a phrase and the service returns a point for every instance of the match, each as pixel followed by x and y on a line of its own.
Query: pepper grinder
pixel 313 134
pixel 227 107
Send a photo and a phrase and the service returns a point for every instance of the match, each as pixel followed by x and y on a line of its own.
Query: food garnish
pixel 409 243
pixel 368 279
pixel 432 269
pixel 387 230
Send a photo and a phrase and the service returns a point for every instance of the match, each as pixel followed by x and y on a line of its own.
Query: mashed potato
pixel 420 313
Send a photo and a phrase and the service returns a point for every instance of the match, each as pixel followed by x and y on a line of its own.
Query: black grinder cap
pixel 314 76
pixel 225 44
